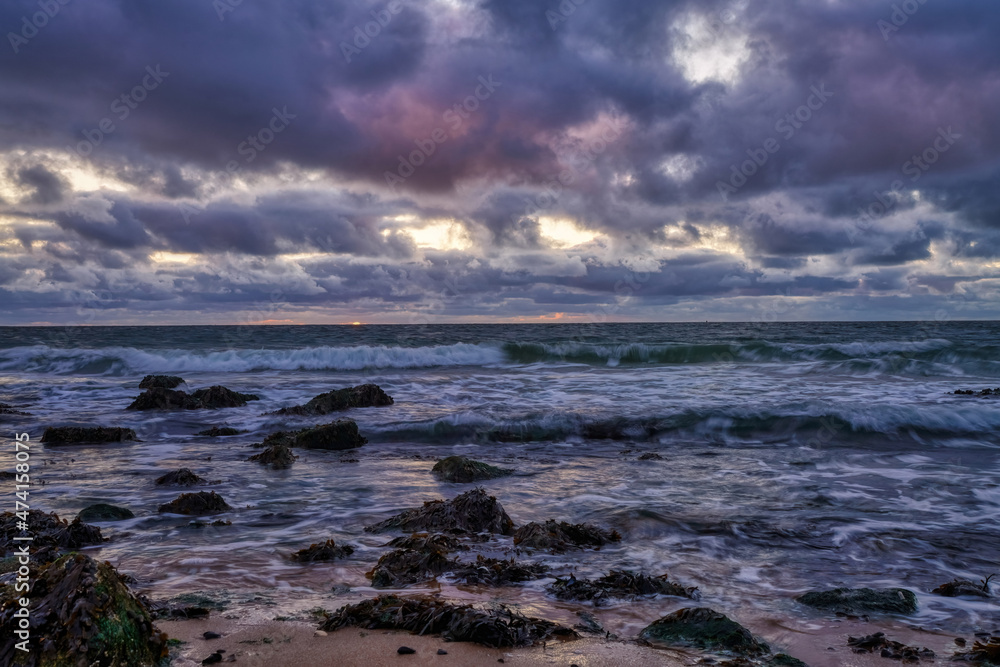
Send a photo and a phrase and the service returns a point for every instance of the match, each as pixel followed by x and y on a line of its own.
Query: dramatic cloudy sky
pixel 595 176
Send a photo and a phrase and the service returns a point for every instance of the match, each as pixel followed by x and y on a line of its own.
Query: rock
pixel 618 584
pixel 196 504
pixel 407 566
pixel 650 456
pixel 862 600
pixel 211 635
pixel 427 542
pixel 159 398
pixel 69 435
pixel 160 382
pixel 496 627
pixel 319 633
pixel 499 572
pixel 405 650
pixel 462 470
pixel 322 551
pixel 441 651
pixel 362 396
pixel 82 613
pixel 213 659
pixel 337 435
pixel 472 512
pixel 983 652
pixel 888 649
pixel 102 512
pixel 561 536
pixel 962 588
pixel 981 392
pixel 219 431
pixel 182 477
pixel 705 629
pixel 783 660
pixel 53 536
pixel 278 456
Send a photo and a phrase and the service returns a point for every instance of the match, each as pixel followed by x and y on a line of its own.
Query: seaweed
pixel 362 396
pixel 182 477
pixel 888 649
pixel 964 588
pixel 987 653
pixel 463 470
pixel 203 502
pixel 322 551
pixel 560 536
pixel 71 435
pixel 499 572
pixel 214 397
pixel 337 435
pixel 408 566
pixel 425 541
pixel 160 381
pixel 53 536
pixel 474 511
pixel 276 456
pixel 618 584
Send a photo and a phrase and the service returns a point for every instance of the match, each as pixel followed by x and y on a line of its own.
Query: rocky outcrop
pixel 53 536
pixel 82 613
pixel 276 456
pixel 705 629
pixel 337 435
pixel 561 536
pixel 463 470
pixel 472 512
pixel 409 566
pixel 427 541
pixel 102 512
pixel 196 504
pixel 362 396
pixel 182 477
pixel 72 435
pixel 618 584
pixel 322 552
pixel 160 382
pixel 215 397
pixel 862 600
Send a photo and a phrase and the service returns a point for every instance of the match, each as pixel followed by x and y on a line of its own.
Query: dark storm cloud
pixel 48 186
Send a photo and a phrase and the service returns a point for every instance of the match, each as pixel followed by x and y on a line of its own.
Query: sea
pixel 788 457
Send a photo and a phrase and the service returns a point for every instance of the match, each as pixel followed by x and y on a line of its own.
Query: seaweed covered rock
pixel 888 649
pixel 560 536
pixel 71 435
pixel 427 541
pixel 362 396
pixel 463 470
pixel 52 536
pixel 618 584
pixel 277 456
pixel 495 627
pixel 703 628
pixel 219 431
pixel 322 551
pixel 337 435
pixel 196 504
pixel 181 477
pixel 212 398
pixel 409 566
pixel 963 588
pixel 499 572
pixel 103 512
pixel 862 600
pixel 160 382
pixel 81 614
pixel 474 511
pixel 982 653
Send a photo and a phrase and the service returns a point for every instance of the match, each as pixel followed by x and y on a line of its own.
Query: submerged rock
pixel 160 382
pixel 982 653
pixel 82 613
pixel 495 627
pixel 474 511
pixel 962 588
pixel 618 584
pixel 703 628
pixel 322 551
pixel 182 477
pixel 197 504
pixel 337 435
pixel 52 536
pixel 427 541
pixel 159 398
pixel 560 536
pixel 362 396
pixel 408 566
pixel 102 512
pixel 499 572
pixel 69 435
pixel 888 649
pixel 650 456
pixel 461 469
pixel 862 600
pixel 219 431
pixel 278 456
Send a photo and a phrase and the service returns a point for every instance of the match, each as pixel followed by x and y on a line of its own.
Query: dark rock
pixel 211 635
pixel 650 456
pixel 981 392
pixel 888 649
pixel 219 431
pixel 278 456
pixel 862 600
pixel 102 512
pixel 474 511
pixel 337 435
pixel 463 470
pixel 499 572
pixel 427 542
pixel 158 398
pixel 441 651
pixel 495 627
pixel 160 382
pixel 68 435
pixel 82 613
pixel 362 396
pixel 196 504
pixel 53 536
pixel 322 551
pixel 961 588
pixel 703 628
pixel 405 650
pixel 213 659
pixel 618 584
pixel 983 652
pixel 182 477
pixel 560 536
pixel 407 566
pixel 783 660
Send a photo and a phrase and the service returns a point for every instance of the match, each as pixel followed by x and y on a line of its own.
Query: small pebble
pixel 211 635
pixel 212 659
pixel 405 650
pixel 441 651
pixel 960 641
pixel 319 633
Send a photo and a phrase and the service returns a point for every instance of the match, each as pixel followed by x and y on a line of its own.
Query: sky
pixel 312 161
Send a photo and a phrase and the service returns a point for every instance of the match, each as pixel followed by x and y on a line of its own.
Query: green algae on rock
pixel 706 629
pixel 474 511
pixel 103 512
pixel 82 613
pixel 862 600
pixel 72 435
pixel 464 470
pixel 361 396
